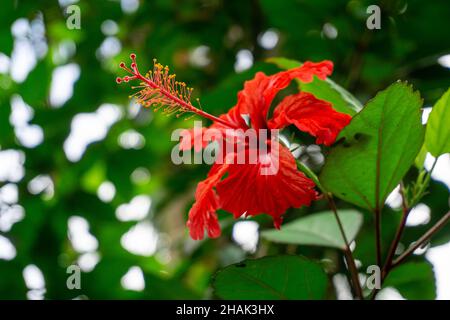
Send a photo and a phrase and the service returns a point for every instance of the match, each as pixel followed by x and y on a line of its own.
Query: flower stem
pixel 183 103
pixel 423 239
pixel 398 234
pixel 347 251
pixel 390 263
pixel 378 234
pixel 393 248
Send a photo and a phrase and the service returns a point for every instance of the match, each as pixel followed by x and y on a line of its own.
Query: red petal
pixel 203 213
pixel 233 116
pixel 258 93
pixel 247 191
pixel 309 69
pixel 307 113
pixel 193 138
pixel 200 137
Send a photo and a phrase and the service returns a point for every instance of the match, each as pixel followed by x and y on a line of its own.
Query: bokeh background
pixel 86 175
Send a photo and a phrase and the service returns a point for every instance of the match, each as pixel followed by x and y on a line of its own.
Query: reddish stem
pixel 183 103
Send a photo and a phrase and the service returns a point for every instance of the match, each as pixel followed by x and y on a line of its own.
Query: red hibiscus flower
pixel 244 188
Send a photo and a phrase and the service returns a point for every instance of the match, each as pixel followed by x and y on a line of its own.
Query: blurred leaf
pixel 319 229
pixel 279 277
pixel 6 40
pixel 414 280
pixel 6 18
pixel 437 138
pixel 342 100
pixel 36 87
pixel 379 145
pixel 94 177
pixel 12 286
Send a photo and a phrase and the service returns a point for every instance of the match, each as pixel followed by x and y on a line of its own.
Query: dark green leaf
pixel 281 277
pixel 378 147
pixel 414 280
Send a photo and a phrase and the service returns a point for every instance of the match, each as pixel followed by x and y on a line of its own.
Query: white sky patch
pixel 439 257
pixel 244 60
pixel 34 280
pixel 129 6
pixel 420 214
pixel 66 49
pixel 268 39
pixel 133 109
pixel 140 175
pixel 87 261
pixel 389 293
pixel 106 191
pixel 80 237
pixel 394 200
pixel 141 239
pixel 444 61
pixel 21 113
pixel 136 210
pixel 422 249
pixel 109 48
pixel 29 135
pixel 9 215
pixel 7 249
pixel 9 193
pixel 343 291
pixel 109 27
pixel 425 114
pixel 133 279
pixel 329 31
pixel 42 183
pixel 33 276
pixel 131 139
pixel 199 57
pixel 36 294
pixel 90 127
pixel 11 165
pixel 246 235
pixel 37 35
pixel 441 171
pixel 63 80
pixel 20 28
pixel 23 57
pixel 65 3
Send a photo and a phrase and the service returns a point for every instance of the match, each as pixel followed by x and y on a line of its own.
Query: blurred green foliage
pixel 413 36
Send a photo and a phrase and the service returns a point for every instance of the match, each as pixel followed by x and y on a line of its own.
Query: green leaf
pixel 319 229
pixel 379 146
pixel 420 159
pixel 342 100
pixel 279 277
pixel 414 280
pixel 437 138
